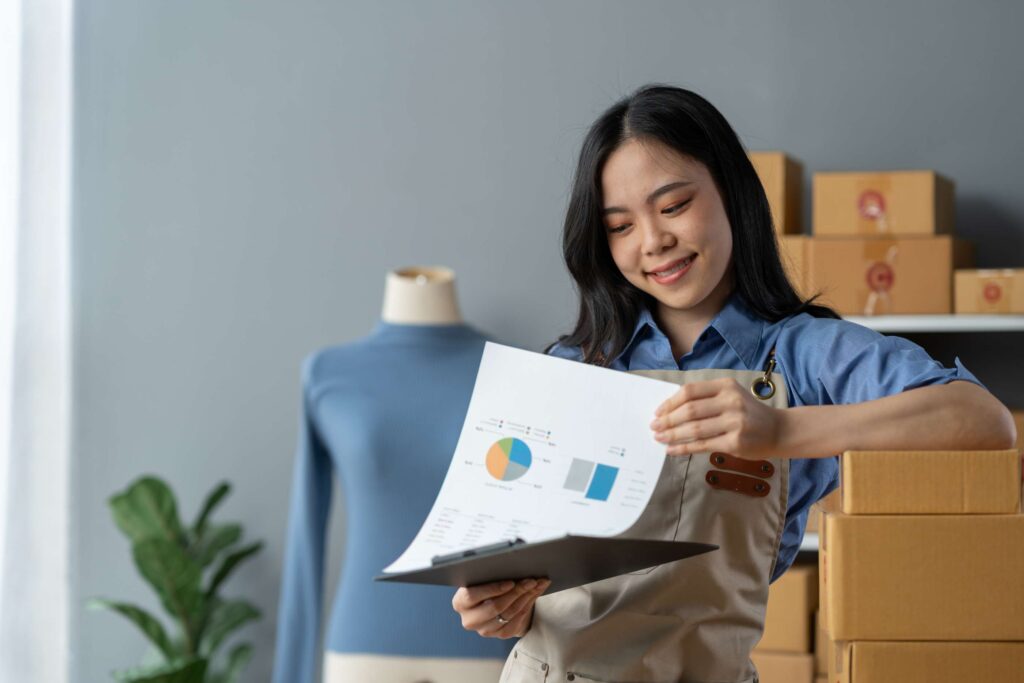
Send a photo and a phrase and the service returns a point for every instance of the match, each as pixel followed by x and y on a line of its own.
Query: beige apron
pixel 692 621
pixel 346 667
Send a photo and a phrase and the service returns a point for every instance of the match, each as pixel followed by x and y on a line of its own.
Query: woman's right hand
pixel 480 606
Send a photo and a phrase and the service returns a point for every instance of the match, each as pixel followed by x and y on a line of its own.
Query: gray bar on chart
pixel 579 475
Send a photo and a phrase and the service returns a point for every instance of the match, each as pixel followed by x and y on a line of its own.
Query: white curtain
pixel 35 363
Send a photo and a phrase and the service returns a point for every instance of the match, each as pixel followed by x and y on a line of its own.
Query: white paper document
pixel 549 447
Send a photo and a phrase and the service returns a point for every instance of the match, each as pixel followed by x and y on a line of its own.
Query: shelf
pixel 941 323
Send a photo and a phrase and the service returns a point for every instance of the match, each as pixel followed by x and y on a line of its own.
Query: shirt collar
pixel 644 320
pixel 740 327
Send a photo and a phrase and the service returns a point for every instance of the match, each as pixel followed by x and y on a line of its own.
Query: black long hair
pixel 683 120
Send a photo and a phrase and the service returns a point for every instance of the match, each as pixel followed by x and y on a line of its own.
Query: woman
pixel 669 238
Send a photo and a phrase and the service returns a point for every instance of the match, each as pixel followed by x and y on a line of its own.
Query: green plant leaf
pixel 149 624
pixel 176 578
pixel 228 566
pixel 214 540
pixel 212 501
pixel 237 659
pixel 225 618
pixel 147 509
pixel 186 671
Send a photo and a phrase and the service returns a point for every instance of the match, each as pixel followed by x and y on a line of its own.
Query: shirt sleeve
pixel 859 364
pixel 299 605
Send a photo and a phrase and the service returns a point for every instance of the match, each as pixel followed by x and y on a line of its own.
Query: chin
pixel 678 300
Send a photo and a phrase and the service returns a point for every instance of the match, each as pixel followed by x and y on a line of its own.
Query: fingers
pixel 515 607
pixel 517 615
pixel 714 444
pixel 697 409
pixel 697 430
pixel 690 392
pixel 471 596
pixel 481 616
pixel 515 628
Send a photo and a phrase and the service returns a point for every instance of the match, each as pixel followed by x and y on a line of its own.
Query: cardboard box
pixel 782 177
pixel 789 620
pixel 874 276
pixel 931 482
pixel 821 643
pixel 793 252
pixel 924 578
pixel 822 571
pixel 894 203
pixel 773 667
pixel 829 503
pixel 930 663
pixel 989 291
pixel 813 520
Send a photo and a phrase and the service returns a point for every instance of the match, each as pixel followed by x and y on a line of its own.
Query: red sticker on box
pixel 871 204
pixel 880 277
pixel 992 292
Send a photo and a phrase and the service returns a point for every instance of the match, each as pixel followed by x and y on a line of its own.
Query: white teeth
pixel 682 264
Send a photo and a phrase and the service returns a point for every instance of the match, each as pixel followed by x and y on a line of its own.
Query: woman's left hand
pixel 718 416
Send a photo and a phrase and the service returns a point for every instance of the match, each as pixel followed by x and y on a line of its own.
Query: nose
pixel 654 238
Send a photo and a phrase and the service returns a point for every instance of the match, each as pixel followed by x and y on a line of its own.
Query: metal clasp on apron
pixel 763 388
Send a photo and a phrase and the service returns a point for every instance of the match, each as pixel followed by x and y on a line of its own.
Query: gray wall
pixel 246 172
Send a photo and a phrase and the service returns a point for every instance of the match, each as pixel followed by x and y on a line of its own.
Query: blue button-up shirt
pixel 823 361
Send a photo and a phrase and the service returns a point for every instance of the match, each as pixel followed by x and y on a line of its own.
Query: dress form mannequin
pixel 384 413
pixel 421 296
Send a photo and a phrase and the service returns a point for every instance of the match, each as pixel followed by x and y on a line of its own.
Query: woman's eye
pixel 675 207
pixel 618 228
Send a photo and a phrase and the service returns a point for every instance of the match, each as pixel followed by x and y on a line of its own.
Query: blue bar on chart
pixel 601 484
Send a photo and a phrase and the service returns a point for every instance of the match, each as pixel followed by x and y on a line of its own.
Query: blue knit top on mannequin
pixel 385 413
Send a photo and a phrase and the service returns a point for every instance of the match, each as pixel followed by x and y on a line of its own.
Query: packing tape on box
pixel 880 274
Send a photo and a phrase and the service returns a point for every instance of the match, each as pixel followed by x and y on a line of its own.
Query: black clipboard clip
pixel 475 552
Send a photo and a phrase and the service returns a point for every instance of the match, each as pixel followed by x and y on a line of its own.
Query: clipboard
pixel 568 561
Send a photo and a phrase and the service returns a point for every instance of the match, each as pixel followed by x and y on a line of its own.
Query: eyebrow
pixel 650 198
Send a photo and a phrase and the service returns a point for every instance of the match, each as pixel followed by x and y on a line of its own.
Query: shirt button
pixel 570 677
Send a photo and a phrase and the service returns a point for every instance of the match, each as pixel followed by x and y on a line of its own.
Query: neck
pixel 682 327
pixel 421 295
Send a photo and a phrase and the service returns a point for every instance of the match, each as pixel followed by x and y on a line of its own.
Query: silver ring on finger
pixel 501 620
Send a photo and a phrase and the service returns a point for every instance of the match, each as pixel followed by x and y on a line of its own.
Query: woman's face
pixel 666 226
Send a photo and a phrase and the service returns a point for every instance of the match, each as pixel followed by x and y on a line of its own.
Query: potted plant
pixel 186 566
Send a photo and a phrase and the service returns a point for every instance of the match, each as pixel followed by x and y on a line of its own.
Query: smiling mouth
pixel 679 265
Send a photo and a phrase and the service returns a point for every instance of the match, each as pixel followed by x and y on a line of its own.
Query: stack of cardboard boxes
pixel 883 242
pixel 782 178
pixel 794 648
pixel 922 554
pixel 922 571
pixel 787 652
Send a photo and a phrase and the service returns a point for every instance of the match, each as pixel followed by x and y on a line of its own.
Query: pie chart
pixel 508 459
